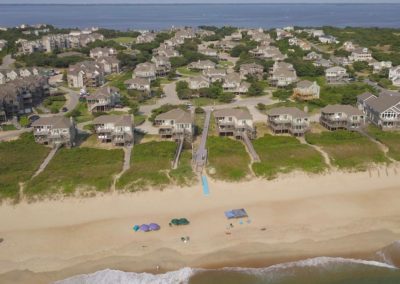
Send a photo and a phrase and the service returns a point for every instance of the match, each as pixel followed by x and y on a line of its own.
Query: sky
pixel 186 1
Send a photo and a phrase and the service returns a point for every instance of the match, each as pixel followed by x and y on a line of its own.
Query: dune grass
pixel 389 138
pixel 183 175
pixel 77 168
pixel 150 165
pixel 19 160
pixel 283 154
pixel 348 150
pixel 228 158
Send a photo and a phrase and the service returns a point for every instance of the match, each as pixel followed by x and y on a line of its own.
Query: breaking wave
pixel 386 261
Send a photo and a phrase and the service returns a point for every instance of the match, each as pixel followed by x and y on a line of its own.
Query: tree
pixel 256 89
pixel 226 97
pixel 360 66
pixel 282 94
pixel 349 99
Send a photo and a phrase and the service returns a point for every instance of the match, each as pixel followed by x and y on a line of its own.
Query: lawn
pixel 187 72
pixel 203 101
pixel 124 40
pixel 283 154
pixel 150 164
pixel 117 80
pixel 7 127
pixel 348 150
pixel 70 169
pixel 80 113
pixel 389 138
pixel 228 159
pixel 19 160
pixel 54 103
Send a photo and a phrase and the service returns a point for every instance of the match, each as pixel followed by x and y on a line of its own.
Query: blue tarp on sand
pixel 236 213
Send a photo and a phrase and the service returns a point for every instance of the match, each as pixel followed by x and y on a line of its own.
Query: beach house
pixel 306 90
pixel 251 69
pixel 115 129
pixel 104 99
pixel 288 120
pixel 146 70
pixel 282 74
pixel 235 122
pixel 383 110
pixel 175 124
pixel 54 131
pixel 198 82
pixel 139 84
pixel 336 117
pixel 336 75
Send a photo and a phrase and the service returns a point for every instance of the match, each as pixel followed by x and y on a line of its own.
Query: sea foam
pixel 107 276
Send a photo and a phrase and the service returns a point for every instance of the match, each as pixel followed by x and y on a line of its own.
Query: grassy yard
pixel 55 103
pixel 389 138
pixel 80 113
pixel 19 160
pixel 228 159
pixel 70 169
pixel 348 150
pixel 150 165
pixel 187 72
pixel 202 101
pixel 140 119
pixel 283 154
pixel 124 40
pixel 7 127
pixel 117 80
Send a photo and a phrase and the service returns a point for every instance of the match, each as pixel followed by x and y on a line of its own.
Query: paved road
pixel 7 62
pixel 14 133
pixel 379 88
pixel 72 98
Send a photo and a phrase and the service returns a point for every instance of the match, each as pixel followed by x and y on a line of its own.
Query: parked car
pixel 64 109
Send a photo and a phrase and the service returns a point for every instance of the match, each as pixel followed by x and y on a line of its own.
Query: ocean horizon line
pixel 201 4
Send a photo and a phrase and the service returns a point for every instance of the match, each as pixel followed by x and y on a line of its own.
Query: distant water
pixel 320 270
pixel 164 16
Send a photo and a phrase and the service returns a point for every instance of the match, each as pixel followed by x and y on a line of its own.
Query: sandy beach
pixel 337 214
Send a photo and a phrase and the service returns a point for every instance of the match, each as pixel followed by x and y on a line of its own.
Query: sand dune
pixel 337 214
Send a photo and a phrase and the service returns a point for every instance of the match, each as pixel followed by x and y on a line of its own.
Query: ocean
pixel 383 268
pixel 156 16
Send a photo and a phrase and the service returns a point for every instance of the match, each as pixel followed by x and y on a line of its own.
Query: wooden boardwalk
pixel 201 154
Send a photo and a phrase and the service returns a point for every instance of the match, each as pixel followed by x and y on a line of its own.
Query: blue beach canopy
pixel 136 228
pixel 236 213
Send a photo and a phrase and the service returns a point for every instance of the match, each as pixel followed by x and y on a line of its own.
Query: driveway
pixel 6 135
pixel 8 61
pixel 72 98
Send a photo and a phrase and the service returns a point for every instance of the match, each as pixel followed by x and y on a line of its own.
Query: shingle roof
pixel 117 120
pixel 177 114
pixel 54 121
pixel 293 111
pixel 239 113
pixel 349 110
pixel 384 101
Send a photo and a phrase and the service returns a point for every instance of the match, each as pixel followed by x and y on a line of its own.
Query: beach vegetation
pixel 19 160
pixel 348 150
pixel 390 139
pixel 284 154
pixel 227 159
pixel 77 168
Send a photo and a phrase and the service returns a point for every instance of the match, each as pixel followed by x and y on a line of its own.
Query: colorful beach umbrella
pixel 154 227
pixel 144 228
pixel 183 221
pixel 136 228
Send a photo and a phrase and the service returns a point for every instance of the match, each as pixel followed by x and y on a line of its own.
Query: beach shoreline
pixel 353 215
